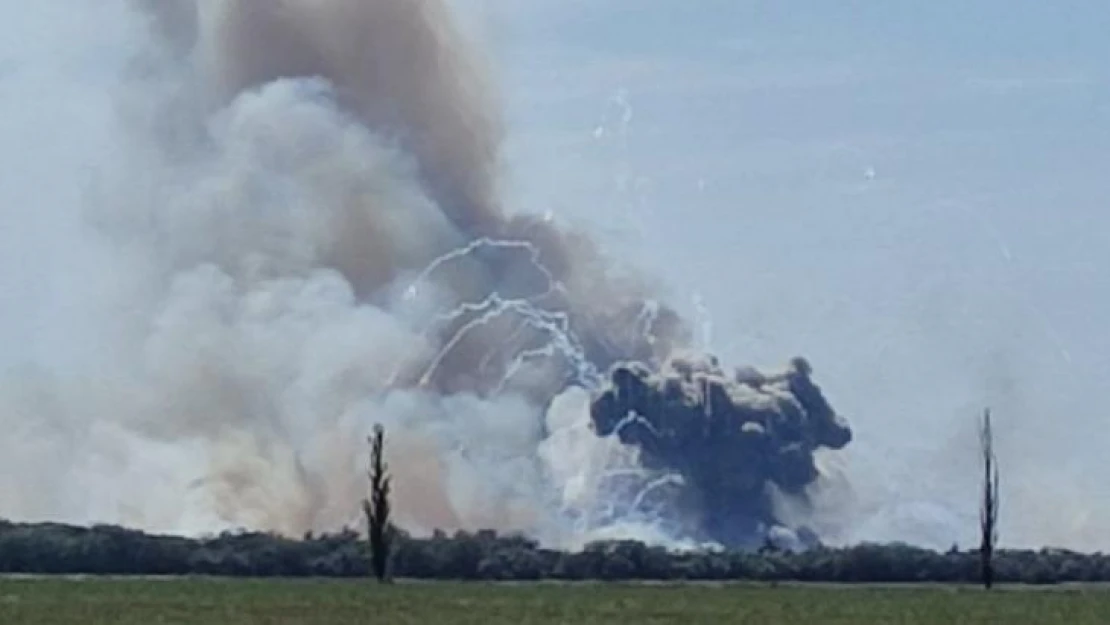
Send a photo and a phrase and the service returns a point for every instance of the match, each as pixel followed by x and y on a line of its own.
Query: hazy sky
pixel 909 194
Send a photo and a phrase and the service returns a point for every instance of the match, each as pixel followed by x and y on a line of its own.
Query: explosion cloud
pixel 728 437
pixel 308 237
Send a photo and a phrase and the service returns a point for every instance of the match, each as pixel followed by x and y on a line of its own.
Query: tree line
pixel 388 552
pixel 52 548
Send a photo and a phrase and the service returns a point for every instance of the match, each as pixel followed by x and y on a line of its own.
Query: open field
pixel 210 602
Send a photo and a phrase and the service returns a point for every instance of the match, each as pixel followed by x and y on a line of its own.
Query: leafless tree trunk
pixel 377 506
pixel 988 512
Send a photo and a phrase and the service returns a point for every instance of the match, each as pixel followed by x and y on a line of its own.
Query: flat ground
pixel 217 602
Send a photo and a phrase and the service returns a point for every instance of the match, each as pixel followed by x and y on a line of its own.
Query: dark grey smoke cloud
pixel 731 438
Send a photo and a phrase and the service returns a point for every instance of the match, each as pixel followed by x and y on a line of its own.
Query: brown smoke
pixel 401 67
pixel 405 71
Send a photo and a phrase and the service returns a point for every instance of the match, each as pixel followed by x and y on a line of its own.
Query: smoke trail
pixel 305 225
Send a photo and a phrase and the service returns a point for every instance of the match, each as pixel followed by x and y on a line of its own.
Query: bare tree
pixel 377 506
pixel 988 512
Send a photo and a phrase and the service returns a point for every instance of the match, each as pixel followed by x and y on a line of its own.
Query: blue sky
pixel 909 194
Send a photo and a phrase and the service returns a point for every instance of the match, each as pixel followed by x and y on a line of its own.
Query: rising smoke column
pixel 309 239
pixel 402 70
pixel 308 214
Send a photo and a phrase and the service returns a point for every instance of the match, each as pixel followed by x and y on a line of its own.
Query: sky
pixel 910 195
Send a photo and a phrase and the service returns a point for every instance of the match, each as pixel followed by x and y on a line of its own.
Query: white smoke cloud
pixel 254 235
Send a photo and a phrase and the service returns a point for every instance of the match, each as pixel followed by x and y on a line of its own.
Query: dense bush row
pixel 54 548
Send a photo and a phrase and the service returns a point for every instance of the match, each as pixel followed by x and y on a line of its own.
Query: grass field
pixel 217 602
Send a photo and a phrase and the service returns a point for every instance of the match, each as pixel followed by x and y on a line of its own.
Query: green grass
pixel 217 602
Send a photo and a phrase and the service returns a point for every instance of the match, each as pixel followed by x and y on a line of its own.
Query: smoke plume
pixel 308 239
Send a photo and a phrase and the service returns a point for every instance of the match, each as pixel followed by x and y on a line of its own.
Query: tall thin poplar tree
pixel 988 511
pixel 377 507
